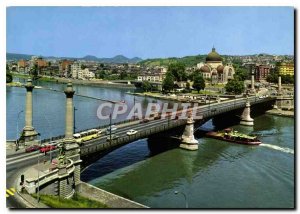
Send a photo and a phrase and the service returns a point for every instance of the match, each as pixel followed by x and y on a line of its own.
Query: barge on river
pixel 234 137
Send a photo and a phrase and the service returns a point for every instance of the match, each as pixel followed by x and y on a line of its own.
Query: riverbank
pixel 93 82
pixel 86 196
pixel 278 112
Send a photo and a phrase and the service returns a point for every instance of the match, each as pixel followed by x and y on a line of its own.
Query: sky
pixel 149 32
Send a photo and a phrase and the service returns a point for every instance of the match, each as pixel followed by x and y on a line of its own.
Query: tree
pixel 241 73
pixel 199 83
pixel 146 86
pixel 35 71
pixel 178 71
pixel 188 85
pixel 123 75
pixel 9 78
pixel 235 86
pixel 287 79
pixel 83 67
pixel 168 83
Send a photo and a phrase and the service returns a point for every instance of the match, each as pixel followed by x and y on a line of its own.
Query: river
pixel 218 175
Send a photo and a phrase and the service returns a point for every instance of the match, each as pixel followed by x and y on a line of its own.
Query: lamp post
pixel 38 191
pixel 74 125
pixel 186 202
pixel 17 140
pixel 110 128
pixel 134 107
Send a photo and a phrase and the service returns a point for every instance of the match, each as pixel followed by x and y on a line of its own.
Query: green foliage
pixel 187 61
pixel 9 78
pixel 123 75
pixel 76 202
pixel 168 83
pixel 35 72
pixel 108 75
pixel 83 67
pixel 272 77
pixel 188 85
pixel 287 79
pixel 199 83
pixel 146 86
pixel 241 73
pixel 235 86
pixel 178 71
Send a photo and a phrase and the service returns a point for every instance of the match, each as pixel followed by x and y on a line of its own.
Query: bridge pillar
pixel 72 150
pixel 246 118
pixel 252 90
pixel 28 134
pixel 279 85
pixel 188 140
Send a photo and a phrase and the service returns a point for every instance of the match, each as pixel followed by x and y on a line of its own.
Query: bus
pixel 87 135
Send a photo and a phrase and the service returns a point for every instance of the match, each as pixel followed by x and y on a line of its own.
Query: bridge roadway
pixel 144 130
pixel 21 160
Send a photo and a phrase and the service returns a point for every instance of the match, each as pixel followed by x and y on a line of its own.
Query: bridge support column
pixel 71 148
pixel 252 90
pixel 29 134
pixel 246 118
pixel 188 140
pixel 279 85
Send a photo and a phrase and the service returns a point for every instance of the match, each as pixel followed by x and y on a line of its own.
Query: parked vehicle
pixel 47 148
pixel 32 148
pixel 144 121
pixel 131 132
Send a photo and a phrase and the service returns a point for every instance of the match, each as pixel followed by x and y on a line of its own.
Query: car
pixel 111 129
pixel 112 137
pixel 32 148
pixel 131 132
pixel 144 121
pixel 47 148
pixel 54 143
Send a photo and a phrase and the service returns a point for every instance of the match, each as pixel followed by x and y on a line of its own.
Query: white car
pixel 131 132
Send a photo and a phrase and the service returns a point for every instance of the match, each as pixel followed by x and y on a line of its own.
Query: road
pixel 23 160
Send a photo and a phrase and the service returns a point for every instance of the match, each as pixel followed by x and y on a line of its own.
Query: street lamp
pixel 110 128
pixel 74 125
pixel 50 127
pixel 186 202
pixel 38 192
pixel 17 140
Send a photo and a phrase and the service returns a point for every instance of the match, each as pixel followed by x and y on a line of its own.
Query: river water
pixel 218 175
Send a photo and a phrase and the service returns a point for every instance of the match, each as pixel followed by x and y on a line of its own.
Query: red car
pixel 32 148
pixel 144 121
pixel 47 148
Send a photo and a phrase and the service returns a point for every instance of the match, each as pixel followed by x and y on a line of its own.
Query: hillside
pixel 116 59
pixel 187 60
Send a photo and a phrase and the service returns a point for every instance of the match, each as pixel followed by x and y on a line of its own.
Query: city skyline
pixel 158 32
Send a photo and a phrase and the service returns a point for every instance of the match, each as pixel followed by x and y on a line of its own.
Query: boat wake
pixel 282 149
pixel 265 132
